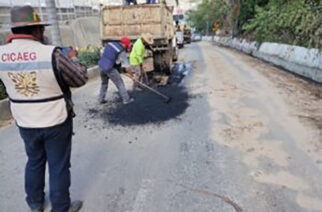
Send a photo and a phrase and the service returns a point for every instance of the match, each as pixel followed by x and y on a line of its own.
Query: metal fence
pixel 63 13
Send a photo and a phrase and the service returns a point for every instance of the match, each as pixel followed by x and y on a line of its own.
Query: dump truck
pixel 186 32
pixel 133 20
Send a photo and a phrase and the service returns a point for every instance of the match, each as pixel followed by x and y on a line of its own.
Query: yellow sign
pixel 216 26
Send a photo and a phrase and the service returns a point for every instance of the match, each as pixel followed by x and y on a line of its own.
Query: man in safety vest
pixel 114 56
pixel 137 55
pixel 37 78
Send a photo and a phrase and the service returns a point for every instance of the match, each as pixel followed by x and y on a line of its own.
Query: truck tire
pixel 175 54
pixel 163 61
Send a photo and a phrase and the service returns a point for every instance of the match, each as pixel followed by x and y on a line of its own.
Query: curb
pixel 5 113
pixel 298 60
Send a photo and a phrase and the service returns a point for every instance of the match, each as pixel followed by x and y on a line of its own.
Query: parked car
pixel 196 37
pixel 180 39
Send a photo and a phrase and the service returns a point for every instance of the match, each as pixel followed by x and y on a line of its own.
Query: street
pixel 238 135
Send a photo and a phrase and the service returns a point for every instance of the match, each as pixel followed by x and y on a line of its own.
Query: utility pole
pixel 59 13
pixel 91 5
pixel 40 10
pixel 53 20
pixel 74 10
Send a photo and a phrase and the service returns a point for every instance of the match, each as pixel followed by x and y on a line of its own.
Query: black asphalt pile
pixel 148 108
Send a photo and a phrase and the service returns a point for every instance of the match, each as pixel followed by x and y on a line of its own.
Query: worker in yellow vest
pixel 137 55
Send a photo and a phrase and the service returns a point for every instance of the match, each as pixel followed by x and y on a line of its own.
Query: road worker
pixel 114 56
pixel 137 56
pixel 37 78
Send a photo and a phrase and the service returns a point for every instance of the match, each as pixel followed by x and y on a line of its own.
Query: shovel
pixel 166 98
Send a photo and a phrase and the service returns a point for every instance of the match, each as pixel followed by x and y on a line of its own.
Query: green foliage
pixel 293 22
pixel 2 91
pixel 296 22
pixel 89 58
pixel 207 12
pixel 247 11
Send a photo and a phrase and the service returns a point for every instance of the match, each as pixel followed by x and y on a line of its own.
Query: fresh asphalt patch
pixel 148 108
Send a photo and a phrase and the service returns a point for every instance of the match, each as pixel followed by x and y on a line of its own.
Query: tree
pixel 207 12
pixel 297 22
pixel 235 4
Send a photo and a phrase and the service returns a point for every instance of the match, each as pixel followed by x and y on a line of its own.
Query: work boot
pixel 75 206
pixel 102 102
pixel 40 209
pixel 128 101
pixel 37 210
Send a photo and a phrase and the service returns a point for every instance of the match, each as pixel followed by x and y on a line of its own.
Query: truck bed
pixel 133 20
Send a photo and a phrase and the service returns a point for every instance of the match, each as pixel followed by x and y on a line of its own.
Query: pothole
pixel 148 108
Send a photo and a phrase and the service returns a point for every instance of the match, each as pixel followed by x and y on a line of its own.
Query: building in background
pixel 66 9
pixel 59 3
pixel 70 9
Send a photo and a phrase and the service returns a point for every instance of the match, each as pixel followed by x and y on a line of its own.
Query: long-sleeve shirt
pixel 110 56
pixel 137 53
pixel 72 73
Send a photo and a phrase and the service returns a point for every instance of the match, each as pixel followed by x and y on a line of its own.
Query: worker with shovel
pixel 137 57
pixel 114 56
pixel 136 60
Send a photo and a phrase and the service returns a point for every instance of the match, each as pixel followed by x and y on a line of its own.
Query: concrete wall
pixel 302 61
pixel 80 32
pixel 86 31
pixel 5 113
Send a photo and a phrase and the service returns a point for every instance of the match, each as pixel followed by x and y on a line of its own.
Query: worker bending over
pixel 114 56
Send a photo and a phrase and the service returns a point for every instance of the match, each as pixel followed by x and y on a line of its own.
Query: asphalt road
pixel 242 136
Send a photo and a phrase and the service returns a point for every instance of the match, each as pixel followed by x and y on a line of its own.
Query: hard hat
pixel 126 41
pixel 147 37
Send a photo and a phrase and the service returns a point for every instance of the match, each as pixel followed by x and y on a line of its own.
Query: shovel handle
pixel 148 87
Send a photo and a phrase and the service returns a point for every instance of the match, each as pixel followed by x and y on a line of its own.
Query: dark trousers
pixel 51 144
pixel 116 78
pixel 130 1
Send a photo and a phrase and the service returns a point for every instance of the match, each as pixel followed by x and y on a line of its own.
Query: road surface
pixel 241 136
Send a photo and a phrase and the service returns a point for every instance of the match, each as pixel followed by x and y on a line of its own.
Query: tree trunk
pixel 235 13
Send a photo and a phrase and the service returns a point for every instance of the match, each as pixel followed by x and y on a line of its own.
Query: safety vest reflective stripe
pixel 25 66
pixel 114 47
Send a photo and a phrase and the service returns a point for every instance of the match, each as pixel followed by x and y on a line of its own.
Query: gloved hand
pixel 129 71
